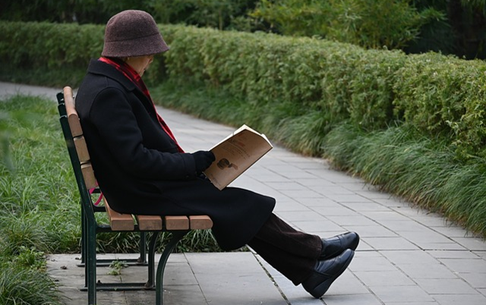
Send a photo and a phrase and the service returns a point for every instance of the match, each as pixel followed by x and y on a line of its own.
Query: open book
pixel 235 154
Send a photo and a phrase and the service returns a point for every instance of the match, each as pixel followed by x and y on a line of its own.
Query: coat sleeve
pixel 116 123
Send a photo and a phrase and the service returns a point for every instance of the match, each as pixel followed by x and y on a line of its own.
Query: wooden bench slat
pixel 177 222
pixel 81 149
pixel 72 115
pixel 200 222
pixel 75 125
pixel 149 222
pixel 88 174
pixel 118 221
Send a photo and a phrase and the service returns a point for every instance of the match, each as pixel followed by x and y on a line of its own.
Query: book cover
pixel 235 154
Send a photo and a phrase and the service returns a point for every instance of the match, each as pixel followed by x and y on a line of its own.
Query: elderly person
pixel 141 168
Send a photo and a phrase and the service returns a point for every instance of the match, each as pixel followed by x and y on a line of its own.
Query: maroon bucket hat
pixel 132 33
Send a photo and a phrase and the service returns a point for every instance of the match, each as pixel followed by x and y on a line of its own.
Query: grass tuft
pixel 20 286
pixel 424 171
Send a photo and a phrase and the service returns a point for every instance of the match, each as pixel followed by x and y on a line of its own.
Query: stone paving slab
pixel 406 255
pixel 190 278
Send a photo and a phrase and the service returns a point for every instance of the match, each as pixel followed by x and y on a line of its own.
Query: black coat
pixel 140 170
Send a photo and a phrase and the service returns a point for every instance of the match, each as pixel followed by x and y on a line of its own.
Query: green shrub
pixel 47 45
pixel 283 79
pixel 367 23
pixel 306 77
pixel 54 51
pixel 371 89
pixel 372 97
pixel 444 96
pixel 208 13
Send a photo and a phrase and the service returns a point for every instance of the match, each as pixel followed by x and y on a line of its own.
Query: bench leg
pixel 84 245
pixel 83 236
pixel 140 261
pixel 143 249
pixel 159 292
pixel 151 260
pixel 90 271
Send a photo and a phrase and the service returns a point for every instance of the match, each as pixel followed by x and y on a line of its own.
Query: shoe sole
pixel 322 288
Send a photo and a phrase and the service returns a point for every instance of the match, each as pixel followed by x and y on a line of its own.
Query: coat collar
pixel 101 68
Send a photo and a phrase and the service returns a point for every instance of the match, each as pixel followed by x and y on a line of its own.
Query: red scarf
pixel 132 75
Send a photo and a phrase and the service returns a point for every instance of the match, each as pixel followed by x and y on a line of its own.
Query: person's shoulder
pixel 106 75
pixel 94 82
pixel 96 87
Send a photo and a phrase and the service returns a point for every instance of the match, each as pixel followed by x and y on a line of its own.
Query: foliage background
pixel 415 26
pixel 292 78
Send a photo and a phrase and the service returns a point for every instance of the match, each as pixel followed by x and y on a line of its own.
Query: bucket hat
pixel 132 33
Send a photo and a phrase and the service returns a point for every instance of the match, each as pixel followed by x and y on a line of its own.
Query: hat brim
pixel 141 46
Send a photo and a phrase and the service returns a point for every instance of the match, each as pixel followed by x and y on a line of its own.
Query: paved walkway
pixel 406 255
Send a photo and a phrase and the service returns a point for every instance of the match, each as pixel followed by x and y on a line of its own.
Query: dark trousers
pixel 291 252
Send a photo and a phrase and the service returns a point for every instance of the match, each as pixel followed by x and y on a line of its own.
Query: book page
pixel 235 154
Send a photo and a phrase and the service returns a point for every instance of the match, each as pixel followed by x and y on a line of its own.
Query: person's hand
pixel 203 160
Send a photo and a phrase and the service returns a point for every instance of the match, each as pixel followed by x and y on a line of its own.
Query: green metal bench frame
pixel 91 227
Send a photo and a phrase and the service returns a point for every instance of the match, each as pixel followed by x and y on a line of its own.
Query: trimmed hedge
pixel 445 96
pixel 442 95
pixel 300 77
pixel 48 46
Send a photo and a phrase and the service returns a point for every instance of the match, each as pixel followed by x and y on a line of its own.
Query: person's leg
pixel 282 235
pixel 278 233
pixel 295 268
pixel 291 252
pixel 304 258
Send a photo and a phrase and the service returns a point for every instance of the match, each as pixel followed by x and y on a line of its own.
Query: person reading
pixel 141 169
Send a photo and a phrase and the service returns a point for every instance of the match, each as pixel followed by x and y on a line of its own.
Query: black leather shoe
pixel 332 247
pixel 326 272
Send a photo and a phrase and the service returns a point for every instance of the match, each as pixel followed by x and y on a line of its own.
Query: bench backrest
pixel 78 151
pixel 86 181
pixel 79 140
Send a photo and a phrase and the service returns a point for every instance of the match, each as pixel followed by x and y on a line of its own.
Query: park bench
pixel 177 226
